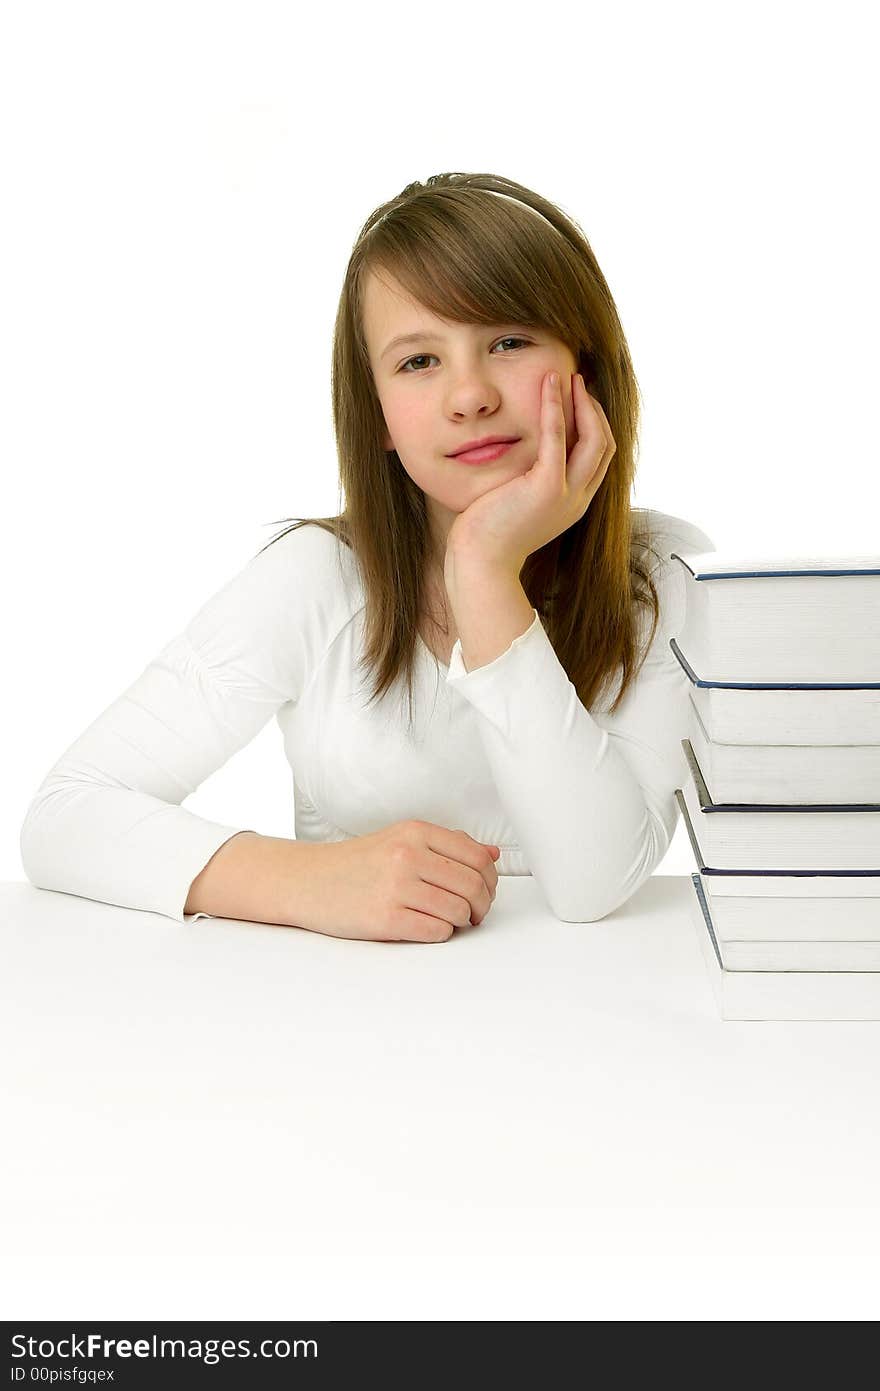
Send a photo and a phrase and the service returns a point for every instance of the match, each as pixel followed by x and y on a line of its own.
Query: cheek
pixel 431 476
pixel 409 418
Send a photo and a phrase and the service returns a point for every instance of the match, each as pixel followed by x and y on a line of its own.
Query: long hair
pixel 475 258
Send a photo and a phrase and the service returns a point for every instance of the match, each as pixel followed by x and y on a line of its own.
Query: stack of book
pixel 782 796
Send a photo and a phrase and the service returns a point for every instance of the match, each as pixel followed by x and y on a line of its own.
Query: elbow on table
pixel 584 911
pixel 584 908
pixel 582 904
pixel 583 915
pixel 42 842
pixel 33 852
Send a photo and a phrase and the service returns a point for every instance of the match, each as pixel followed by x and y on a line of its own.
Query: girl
pixel 486 415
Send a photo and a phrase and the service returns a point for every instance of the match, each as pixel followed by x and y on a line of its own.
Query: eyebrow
pixel 427 336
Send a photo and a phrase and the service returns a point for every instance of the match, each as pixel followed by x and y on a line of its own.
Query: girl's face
pixel 455 383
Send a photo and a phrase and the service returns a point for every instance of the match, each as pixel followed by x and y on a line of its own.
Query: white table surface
pixel 536 1119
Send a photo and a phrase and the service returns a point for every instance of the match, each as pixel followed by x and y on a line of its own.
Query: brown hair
pixel 473 258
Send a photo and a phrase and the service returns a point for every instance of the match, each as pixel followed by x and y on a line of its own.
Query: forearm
pixel 255 878
pixel 578 813
pixel 591 823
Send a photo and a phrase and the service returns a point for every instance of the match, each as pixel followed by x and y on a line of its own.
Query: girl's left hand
pixel 509 522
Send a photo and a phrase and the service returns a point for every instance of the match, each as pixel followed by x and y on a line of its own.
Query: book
pixel 781 712
pixel 821 837
pixel 744 772
pixel 807 621
pixel 741 912
pixel 766 919
pixel 771 955
pixel 794 934
pixel 781 793
pixel 780 994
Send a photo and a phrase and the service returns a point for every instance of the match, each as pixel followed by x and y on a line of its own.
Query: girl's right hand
pixel 412 881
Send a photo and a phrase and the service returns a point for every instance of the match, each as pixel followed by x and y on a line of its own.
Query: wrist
pixel 468 564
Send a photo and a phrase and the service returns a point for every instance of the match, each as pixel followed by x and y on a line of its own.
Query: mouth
pixel 484 453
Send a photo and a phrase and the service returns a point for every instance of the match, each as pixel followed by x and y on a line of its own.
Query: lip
pixel 484 450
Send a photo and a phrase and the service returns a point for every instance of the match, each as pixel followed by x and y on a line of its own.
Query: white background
pixel 183 183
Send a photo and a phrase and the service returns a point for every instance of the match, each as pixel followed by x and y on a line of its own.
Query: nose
pixel 472 394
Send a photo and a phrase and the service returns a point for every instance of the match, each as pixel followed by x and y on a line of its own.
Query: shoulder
pixel 663 533
pixel 290 599
pixel 657 536
pixel 304 562
pixel 300 545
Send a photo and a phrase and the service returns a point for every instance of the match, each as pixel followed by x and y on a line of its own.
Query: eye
pixel 421 357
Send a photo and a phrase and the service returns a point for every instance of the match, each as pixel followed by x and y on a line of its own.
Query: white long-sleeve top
pixel 582 799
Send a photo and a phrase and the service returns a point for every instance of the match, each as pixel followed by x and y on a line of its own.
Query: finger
pixel 592 402
pixel 460 849
pixel 594 484
pixel 443 903
pixel 552 450
pixel 593 425
pixel 421 927
pixel 589 415
pixel 456 883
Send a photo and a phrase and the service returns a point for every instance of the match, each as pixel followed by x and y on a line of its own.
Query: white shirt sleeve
pixel 591 797
pixel 106 823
